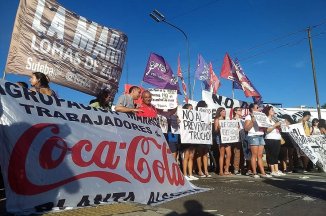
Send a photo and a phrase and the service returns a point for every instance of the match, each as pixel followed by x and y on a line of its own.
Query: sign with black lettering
pixel 229 130
pixel 195 127
pixel 262 120
pixel 314 147
pixel 164 98
pixel 215 101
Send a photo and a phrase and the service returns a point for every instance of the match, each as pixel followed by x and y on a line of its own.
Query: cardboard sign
pixel 229 131
pixel 195 127
pixel 262 120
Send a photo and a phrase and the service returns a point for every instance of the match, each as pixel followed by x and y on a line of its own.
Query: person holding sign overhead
pixel 255 138
pixel 273 142
pixel 224 149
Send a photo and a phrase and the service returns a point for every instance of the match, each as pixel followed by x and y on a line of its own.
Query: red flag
pixel 227 68
pixel 214 82
pixel 247 86
pixel 184 86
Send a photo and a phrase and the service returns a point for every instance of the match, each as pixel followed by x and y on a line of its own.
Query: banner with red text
pixel 57 154
pixel 72 50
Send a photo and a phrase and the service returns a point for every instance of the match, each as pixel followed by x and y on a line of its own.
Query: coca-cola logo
pixel 137 164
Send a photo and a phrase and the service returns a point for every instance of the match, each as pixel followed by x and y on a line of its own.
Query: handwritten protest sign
pixel 164 98
pixel 262 119
pixel 229 131
pixel 195 127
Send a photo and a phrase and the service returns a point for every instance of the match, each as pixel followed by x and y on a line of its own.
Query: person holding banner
pixel 224 149
pixel 126 101
pixel 102 100
pixel 255 138
pixel 305 118
pixel 314 127
pixel 273 142
pixel 322 126
pixel 147 109
pixel 40 83
pixel 287 152
pixel 188 150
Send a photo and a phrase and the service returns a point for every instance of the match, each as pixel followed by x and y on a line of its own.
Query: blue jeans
pixel 256 140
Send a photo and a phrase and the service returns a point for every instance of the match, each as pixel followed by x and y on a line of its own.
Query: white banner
pixel 229 131
pixel 215 101
pixel 57 153
pixel 261 119
pixel 164 98
pixel 195 127
pixel 314 146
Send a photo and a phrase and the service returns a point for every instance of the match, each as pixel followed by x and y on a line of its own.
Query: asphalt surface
pixel 293 194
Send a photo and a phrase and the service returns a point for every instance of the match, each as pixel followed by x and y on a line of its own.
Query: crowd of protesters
pixel 241 158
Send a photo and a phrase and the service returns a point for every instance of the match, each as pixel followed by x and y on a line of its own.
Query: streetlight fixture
pixel 159 17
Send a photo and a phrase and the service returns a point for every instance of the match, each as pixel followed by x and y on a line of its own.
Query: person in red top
pixel 148 110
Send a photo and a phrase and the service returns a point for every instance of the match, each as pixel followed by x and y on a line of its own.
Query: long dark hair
pixel 218 112
pixel 101 98
pixel 43 79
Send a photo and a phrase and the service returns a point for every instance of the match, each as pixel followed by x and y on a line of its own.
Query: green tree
pixel 323 106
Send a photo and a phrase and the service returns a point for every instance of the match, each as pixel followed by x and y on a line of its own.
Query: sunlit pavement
pixel 293 194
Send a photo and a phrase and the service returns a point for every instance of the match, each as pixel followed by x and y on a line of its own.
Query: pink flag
pixel 184 87
pixel 214 82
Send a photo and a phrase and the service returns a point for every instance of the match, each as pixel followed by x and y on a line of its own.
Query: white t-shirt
pixel 274 134
pixel 255 130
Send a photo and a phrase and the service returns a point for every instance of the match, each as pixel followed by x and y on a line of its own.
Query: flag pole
pixel 4 75
pixel 193 89
pixel 233 89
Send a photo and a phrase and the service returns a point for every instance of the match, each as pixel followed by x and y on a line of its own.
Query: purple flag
pixel 202 72
pixel 159 73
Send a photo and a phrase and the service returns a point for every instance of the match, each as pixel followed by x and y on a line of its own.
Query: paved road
pixel 294 194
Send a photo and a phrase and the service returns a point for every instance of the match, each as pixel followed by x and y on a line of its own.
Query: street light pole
pixel 158 17
pixel 314 73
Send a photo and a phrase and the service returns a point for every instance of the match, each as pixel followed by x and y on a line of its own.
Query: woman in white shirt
pixel 314 129
pixel 273 142
pixel 255 138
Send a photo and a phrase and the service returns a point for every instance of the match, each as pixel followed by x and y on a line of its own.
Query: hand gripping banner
pixel 58 154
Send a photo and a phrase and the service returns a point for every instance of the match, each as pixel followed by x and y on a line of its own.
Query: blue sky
pixel 255 31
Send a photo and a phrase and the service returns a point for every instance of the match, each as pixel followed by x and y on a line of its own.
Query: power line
pixel 271 41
